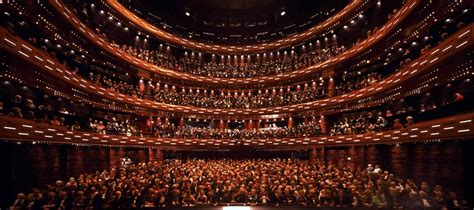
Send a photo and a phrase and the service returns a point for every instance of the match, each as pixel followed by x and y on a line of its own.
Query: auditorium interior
pixel 236 104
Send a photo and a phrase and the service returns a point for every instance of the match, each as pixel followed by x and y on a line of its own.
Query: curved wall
pixel 341 17
pixel 384 31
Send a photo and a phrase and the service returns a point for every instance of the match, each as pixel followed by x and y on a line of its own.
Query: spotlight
pixel 282 13
pixel 187 13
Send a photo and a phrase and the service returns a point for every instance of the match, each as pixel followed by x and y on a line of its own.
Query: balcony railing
pixel 447 128
pixel 458 42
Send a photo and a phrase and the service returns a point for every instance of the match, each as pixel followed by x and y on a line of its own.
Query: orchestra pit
pixel 236 104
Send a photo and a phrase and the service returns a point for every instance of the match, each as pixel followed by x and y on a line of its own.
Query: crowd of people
pixel 259 66
pixel 257 99
pixel 301 130
pixel 57 111
pixel 60 112
pixel 154 51
pixel 110 77
pixel 114 126
pixel 205 182
pixel 243 100
pixel 361 124
pixel 234 69
pixel 350 83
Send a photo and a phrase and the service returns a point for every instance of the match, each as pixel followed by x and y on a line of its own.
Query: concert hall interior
pixel 236 104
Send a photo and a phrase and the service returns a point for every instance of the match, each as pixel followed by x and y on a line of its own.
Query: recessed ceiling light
pixel 187 14
pixel 283 13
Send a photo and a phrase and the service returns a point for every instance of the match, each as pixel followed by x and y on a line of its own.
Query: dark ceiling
pixel 235 21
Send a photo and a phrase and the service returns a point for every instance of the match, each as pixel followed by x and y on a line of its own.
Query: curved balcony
pixel 341 17
pixel 406 81
pixel 453 127
pixel 406 9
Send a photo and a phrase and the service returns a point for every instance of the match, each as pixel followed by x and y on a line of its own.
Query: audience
pixel 59 112
pixel 200 182
pixel 362 124
pixel 233 69
pixel 115 78
pixel 100 74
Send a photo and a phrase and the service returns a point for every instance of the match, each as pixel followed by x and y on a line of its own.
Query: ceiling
pixel 235 21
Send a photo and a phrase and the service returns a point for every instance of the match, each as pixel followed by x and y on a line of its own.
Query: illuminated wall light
pixel 9 41
pixel 24 54
pixel 460 45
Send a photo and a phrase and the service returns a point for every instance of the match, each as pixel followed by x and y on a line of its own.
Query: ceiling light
pixel 187 13
pixel 283 13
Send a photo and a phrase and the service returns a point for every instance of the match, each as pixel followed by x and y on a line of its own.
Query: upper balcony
pixel 341 12
pixel 304 71
pixel 232 22
pixel 395 86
